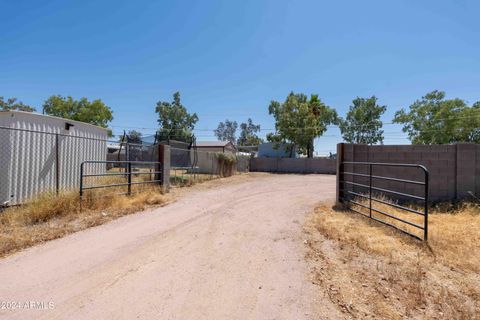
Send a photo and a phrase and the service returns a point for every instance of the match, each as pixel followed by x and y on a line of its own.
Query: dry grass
pixel 372 271
pixel 50 216
pixel 184 178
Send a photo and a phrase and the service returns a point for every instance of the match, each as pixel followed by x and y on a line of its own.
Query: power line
pixel 302 128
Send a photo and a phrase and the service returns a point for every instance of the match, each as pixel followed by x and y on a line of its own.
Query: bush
pixel 226 162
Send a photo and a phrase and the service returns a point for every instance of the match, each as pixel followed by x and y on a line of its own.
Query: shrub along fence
pixel 188 166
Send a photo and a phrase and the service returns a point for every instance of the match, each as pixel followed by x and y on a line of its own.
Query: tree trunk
pixel 310 149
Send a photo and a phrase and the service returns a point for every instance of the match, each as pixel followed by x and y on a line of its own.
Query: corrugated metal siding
pixel 29 158
pixel 5 164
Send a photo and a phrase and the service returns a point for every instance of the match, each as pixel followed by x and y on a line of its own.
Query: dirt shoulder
pixel 370 271
pixel 227 249
pixel 53 216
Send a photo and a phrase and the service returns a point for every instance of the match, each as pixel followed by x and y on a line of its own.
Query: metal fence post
pixel 339 193
pixel 57 166
pixel 370 190
pixel 127 154
pixel 81 186
pixel 425 230
pixel 81 180
pixel 129 166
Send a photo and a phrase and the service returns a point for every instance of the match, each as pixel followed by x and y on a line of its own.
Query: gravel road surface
pixel 229 249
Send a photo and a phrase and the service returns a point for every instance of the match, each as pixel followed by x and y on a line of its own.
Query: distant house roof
pixel 213 144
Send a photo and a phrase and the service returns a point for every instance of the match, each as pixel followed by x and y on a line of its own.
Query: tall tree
pixel 362 123
pixel 248 136
pixel 14 105
pixel 299 120
pixel 436 120
pixel 174 120
pixel 226 131
pixel 132 136
pixel 94 112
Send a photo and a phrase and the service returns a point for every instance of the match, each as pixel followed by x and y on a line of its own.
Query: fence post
pixel 81 180
pixel 127 155
pixel 57 165
pixel 425 225
pixel 81 186
pixel 340 149
pixel 129 169
pixel 370 190
pixel 164 168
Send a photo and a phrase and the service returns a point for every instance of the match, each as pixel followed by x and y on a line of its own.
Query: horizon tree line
pixel 300 119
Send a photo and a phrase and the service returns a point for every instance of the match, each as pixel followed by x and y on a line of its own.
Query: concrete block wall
pixel 293 165
pixel 454 169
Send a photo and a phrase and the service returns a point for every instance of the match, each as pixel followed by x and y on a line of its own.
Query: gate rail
pixel 128 166
pixel 424 198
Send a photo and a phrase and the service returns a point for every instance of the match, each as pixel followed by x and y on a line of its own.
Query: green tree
pixel 436 120
pixel 299 120
pixel 174 120
pixel 132 136
pixel 362 123
pixel 15 105
pixel 248 136
pixel 226 131
pixel 94 112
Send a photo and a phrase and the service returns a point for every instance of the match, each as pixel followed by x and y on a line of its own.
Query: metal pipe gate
pixel 346 195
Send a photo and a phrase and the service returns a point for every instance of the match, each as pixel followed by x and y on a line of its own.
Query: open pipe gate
pixel 129 166
pixel 344 193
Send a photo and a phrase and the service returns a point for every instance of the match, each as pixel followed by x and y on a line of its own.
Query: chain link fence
pixel 34 162
pixel 189 166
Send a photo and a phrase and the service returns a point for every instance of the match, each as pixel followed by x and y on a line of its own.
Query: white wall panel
pixel 28 155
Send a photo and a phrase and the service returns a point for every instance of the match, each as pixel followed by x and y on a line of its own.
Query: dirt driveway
pixel 225 250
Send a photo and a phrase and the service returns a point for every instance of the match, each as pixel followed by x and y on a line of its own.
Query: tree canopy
pixel 132 136
pixel 248 136
pixel 94 112
pixel 362 123
pixel 174 120
pixel 436 120
pixel 12 104
pixel 226 131
pixel 299 120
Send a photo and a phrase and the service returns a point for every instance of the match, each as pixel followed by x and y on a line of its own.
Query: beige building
pixel 216 146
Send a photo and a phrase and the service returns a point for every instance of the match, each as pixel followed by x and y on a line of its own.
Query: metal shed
pixel 40 153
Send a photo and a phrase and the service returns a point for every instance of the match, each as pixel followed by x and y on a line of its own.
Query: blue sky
pixel 229 59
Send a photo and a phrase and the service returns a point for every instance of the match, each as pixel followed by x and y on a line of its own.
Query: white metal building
pixel 40 153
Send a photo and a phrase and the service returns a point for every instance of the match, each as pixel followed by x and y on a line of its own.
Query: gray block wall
pixel 293 165
pixel 454 169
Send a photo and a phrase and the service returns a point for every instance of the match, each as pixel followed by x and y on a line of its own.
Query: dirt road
pixel 225 250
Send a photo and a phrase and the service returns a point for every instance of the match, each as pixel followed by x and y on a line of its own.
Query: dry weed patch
pixel 52 216
pixel 373 271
